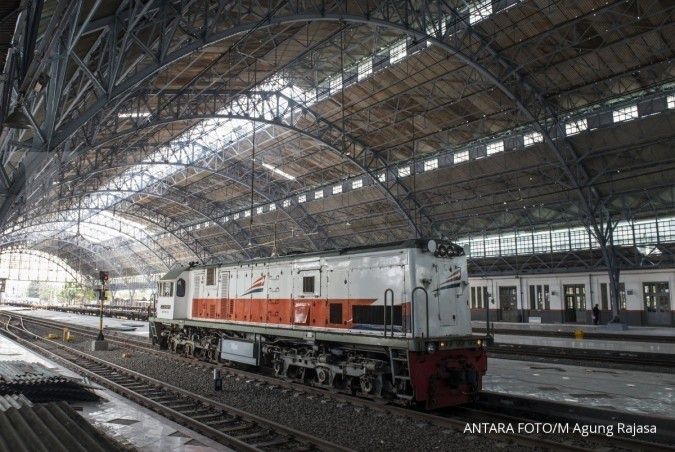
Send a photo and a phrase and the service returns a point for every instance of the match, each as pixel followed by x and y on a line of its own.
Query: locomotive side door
pixel 306 286
pixel 448 283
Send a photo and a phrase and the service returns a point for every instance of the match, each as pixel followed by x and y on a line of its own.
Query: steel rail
pixel 587 335
pixel 453 419
pixel 649 362
pixel 136 386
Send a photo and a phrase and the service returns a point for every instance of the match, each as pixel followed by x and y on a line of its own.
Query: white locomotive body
pixel 391 321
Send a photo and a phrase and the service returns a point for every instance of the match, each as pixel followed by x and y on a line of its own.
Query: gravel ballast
pixel 342 423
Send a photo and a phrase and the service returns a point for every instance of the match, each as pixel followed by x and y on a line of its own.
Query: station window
pixel 671 101
pixel 531 138
pixel 541 242
pixel 495 147
pixel 656 296
pixel 491 247
pixel 625 114
pixel 302 198
pixel 576 126
pixel 287 202
pixel 308 284
pixel 382 177
pixel 337 189
pixel 459 157
pixel 272 207
pixel 365 69
pixel 404 171
pixel 575 297
pixel 180 288
pixel 540 298
pixel 480 10
pixel 259 210
pixel 358 183
pixel 318 194
pixel 336 84
pixel 398 52
pixel 604 296
pixel 430 164
pixel 211 276
pixel 247 213
pixel 479 297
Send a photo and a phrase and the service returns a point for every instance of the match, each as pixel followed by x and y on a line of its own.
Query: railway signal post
pixel 100 343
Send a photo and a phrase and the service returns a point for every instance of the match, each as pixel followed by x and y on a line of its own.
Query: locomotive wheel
pixel 188 350
pixel 366 385
pixel 322 375
pixel 299 373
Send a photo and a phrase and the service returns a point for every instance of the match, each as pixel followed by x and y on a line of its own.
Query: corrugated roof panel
pixel 13 401
pixel 39 384
pixel 50 427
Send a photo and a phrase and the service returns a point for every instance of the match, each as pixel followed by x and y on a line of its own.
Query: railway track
pixel 455 418
pixel 587 335
pixel 645 361
pixel 225 424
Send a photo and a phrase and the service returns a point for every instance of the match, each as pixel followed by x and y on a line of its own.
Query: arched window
pixel 180 288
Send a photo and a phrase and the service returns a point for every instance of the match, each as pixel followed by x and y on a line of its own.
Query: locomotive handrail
pixel 412 296
pixel 385 312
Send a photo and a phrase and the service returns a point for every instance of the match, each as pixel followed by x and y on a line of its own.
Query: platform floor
pixel 138 328
pixel 127 422
pixel 587 344
pixel 619 390
pixel 141 329
pixel 571 328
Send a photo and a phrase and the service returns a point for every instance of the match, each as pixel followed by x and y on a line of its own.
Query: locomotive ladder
pixel 400 372
pixel 153 332
pixel 398 358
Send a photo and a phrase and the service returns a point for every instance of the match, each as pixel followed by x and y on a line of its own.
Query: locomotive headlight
pixel 479 342
pixel 431 347
pixel 431 245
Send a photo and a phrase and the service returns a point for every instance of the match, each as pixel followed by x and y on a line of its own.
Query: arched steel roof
pixel 374 121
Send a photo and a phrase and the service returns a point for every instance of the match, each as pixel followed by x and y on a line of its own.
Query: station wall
pixel 646 297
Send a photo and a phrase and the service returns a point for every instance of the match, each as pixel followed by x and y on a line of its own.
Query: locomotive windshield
pixel 165 289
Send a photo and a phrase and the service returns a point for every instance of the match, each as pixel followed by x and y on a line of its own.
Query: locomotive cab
pixel 172 294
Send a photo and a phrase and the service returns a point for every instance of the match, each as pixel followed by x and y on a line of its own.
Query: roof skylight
pixel 278 171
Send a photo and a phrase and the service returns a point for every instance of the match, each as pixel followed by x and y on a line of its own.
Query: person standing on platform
pixel 596 315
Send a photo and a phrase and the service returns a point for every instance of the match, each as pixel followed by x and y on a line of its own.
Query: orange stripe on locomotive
pixel 281 311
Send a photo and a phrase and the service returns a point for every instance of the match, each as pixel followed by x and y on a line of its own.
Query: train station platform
pixel 613 389
pixel 647 332
pixel 130 424
pixel 587 344
pixel 133 327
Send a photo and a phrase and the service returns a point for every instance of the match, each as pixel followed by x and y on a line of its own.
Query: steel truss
pixel 62 264
pixel 76 111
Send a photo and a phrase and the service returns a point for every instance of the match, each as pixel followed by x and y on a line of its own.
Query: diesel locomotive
pixel 389 321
